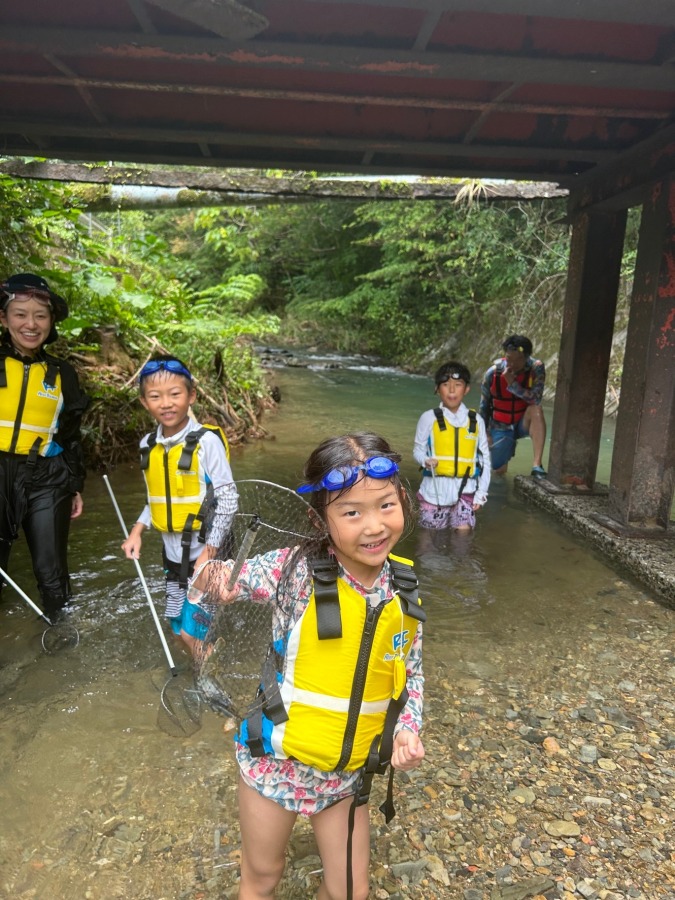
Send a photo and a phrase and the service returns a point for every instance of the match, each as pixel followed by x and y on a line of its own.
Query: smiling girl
pixel 347 642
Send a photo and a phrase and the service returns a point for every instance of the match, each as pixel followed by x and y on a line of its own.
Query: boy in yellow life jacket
pixel 451 447
pixel 191 495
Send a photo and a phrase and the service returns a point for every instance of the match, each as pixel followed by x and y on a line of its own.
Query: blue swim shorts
pixel 504 438
pixel 194 620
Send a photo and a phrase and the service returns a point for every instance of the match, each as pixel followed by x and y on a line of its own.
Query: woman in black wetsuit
pixel 41 461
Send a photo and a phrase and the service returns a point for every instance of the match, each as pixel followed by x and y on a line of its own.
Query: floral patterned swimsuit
pixel 297 787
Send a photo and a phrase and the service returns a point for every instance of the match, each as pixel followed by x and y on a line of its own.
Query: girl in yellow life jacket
pixel 347 641
pixel 42 468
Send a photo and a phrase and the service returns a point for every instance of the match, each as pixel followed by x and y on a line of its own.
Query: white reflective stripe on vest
pixel 337 704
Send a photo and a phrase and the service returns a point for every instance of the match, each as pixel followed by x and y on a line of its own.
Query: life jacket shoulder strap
pixel 147 450
pixel 440 419
pixel 472 421
pixel 328 617
pixel 405 581
pixel 189 447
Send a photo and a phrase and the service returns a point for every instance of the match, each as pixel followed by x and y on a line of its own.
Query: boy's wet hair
pixel 452 370
pixel 519 343
pixel 157 364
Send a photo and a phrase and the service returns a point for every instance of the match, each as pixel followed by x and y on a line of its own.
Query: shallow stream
pixel 98 802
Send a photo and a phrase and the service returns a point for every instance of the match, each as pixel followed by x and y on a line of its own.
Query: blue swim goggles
pixel 345 476
pixel 169 365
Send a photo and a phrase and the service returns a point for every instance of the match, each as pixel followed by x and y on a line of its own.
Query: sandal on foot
pixel 538 472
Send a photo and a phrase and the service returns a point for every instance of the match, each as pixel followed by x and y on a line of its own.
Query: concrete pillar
pixel 643 462
pixel 585 346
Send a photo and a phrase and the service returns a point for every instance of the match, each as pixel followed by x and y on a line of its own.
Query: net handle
pixel 158 626
pixel 25 597
pixel 246 544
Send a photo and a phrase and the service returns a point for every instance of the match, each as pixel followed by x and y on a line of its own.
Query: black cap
pixel 26 283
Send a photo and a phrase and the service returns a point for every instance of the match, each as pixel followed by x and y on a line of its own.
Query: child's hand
pixel 211 579
pixel 430 462
pixel 408 750
pixel 132 546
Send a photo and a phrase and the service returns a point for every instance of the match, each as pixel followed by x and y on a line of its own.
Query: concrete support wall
pixel 585 347
pixel 643 462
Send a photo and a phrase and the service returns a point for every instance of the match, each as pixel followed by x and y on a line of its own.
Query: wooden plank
pixel 247 182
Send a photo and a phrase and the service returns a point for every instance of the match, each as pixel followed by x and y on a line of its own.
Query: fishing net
pixel 57 636
pixel 234 661
pixel 60 636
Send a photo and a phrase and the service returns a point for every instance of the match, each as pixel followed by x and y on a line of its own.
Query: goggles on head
pixel 511 347
pixel 451 376
pixel 27 290
pixel 345 476
pixel 168 365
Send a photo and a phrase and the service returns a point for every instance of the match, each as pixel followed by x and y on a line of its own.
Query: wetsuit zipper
pixel 20 408
pixel 359 683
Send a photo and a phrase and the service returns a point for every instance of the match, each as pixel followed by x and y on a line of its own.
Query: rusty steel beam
pixel 317 142
pixel 647 12
pixel 586 342
pixel 327 59
pixel 623 181
pixel 643 462
pixel 352 99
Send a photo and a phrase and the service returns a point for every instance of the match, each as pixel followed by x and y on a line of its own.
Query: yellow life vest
pixel 454 448
pixel 176 480
pixel 30 407
pixel 336 691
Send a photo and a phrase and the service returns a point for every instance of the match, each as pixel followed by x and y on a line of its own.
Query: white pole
pixel 158 625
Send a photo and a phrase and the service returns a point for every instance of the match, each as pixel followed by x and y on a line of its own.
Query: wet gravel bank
pixel 550 773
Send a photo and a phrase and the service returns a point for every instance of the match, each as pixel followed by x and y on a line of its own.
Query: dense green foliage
pixel 119 276
pixel 404 280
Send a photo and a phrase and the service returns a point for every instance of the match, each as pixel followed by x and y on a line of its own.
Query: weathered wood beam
pixel 403 101
pixel 139 155
pixel 327 59
pixel 208 187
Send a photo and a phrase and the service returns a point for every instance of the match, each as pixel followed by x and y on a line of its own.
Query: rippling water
pixel 96 800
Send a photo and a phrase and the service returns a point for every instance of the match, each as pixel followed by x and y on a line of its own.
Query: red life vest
pixel 506 407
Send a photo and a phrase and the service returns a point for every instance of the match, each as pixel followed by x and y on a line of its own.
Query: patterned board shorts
pixel 459 515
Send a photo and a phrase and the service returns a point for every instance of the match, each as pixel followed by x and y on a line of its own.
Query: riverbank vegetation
pixel 410 282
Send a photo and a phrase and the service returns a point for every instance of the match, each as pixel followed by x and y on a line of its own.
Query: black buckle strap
pixel 189 447
pixel 328 617
pixel 254 740
pixel 31 462
pixel 146 451
pixel 50 374
pixel 186 543
pixel 440 418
